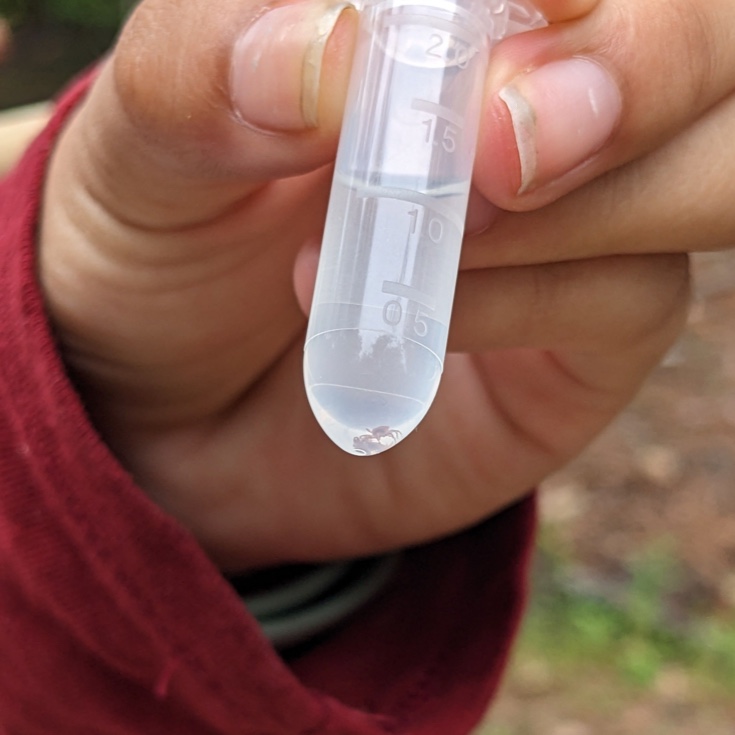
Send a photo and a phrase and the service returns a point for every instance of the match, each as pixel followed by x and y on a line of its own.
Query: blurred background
pixel 632 621
pixel 51 41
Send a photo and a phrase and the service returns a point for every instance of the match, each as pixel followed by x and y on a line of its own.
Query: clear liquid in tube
pixel 374 354
pixel 378 328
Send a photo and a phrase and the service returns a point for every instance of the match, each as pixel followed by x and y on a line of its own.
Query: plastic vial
pixel 380 316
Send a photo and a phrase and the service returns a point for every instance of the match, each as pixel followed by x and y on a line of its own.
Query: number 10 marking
pixel 435 228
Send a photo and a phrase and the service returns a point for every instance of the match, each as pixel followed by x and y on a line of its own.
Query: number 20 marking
pixel 461 52
pixel 433 50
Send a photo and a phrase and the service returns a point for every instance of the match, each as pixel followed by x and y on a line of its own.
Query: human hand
pixel 177 208
pixel 629 148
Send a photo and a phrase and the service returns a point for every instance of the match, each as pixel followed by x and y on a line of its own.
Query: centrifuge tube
pixel 380 315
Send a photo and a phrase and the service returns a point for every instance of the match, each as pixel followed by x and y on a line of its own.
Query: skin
pixel 178 289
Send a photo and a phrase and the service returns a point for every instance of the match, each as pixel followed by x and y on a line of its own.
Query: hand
pixel 177 210
pixel 648 168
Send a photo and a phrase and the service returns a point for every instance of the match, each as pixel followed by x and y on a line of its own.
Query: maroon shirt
pixel 114 622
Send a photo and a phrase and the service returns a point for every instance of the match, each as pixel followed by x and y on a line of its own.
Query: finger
pixel 196 108
pixel 583 305
pixel 603 304
pixel 677 199
pixel 571 101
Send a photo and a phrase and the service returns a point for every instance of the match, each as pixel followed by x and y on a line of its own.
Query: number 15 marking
pixel 448 140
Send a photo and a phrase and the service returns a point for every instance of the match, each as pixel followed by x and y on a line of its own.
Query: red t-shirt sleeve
pixel 114 622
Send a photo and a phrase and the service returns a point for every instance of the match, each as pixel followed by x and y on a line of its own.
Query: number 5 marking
pixel 420 325
pixel 449 142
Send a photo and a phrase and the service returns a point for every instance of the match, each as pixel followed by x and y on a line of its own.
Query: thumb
pixel 198 107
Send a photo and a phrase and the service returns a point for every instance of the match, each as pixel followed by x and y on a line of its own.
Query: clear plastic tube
pixel 379 321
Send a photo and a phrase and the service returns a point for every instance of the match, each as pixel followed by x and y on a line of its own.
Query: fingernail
pixel 277 62
pixel 562 113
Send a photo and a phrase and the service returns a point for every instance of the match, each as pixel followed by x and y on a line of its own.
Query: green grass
pixel 632 636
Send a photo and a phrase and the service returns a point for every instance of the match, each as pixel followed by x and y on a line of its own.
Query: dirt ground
pixel 666 469
pixel 664 473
